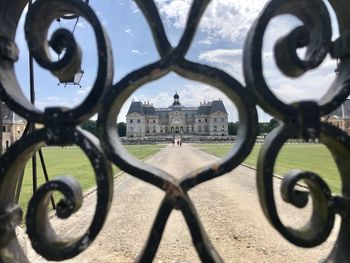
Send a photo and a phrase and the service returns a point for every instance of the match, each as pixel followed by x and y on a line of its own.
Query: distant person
pixel 173 142
pixel 178 143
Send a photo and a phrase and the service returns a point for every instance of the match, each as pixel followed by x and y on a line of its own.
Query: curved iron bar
pixel 176 196
pixel 302 119
pixel 61 125
pixel 60 128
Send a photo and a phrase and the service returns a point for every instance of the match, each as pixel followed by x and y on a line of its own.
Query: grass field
pixel 73 162
pixel 308 157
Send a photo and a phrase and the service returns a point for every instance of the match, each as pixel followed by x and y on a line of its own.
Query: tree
pixel 273 124
pixel 267 127
pixel 90 126
pixel 121 127
pixel 233 128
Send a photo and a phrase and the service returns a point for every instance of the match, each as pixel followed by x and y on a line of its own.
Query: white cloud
pixel 228 19
pixel 229 60
pixel 134 7
pixel 81 25
pixel 54 101
pixel 174 12
pixel 138 52
pixel 83 91
pixel 208 41
pixel 129 31
pixel 221 56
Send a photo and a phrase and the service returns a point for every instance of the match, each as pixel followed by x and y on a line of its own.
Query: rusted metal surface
pixel 61 125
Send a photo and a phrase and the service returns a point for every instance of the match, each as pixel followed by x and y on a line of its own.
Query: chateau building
pixel 340 117
pixel 209 119
pixel 12 126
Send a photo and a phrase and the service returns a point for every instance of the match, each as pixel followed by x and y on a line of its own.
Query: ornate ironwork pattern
pixel 61 125
pixel 303 119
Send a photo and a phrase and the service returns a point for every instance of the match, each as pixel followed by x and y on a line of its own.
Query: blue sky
pixel 219 42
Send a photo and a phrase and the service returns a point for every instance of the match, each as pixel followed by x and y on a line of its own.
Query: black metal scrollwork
pixel 302 119
pixel 61 125
pixel 172 59
pixel 60 128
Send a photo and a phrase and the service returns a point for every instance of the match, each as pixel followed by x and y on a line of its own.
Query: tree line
pixel 264 127
pixel 90 126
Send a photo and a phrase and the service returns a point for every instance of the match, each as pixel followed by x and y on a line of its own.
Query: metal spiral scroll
pixel 176 197
pixel 61 125
pixel 60 128
pixel 303 119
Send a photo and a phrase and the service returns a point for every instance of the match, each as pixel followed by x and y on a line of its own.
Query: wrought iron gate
pixel 61 125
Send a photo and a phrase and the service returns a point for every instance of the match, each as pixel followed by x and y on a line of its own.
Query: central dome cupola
pixel 176 99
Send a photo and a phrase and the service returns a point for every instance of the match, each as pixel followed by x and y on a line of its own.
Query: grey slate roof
pixel 176 107
pixel 8 116
pixel 204 109
pixel 343 111
pixel 149 110
pixel 217 106
pixel 135 107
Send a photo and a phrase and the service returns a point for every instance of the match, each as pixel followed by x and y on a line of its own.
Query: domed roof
pixel 176 99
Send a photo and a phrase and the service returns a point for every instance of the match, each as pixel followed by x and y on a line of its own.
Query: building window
pixel 215 129
pixel 214 119
pixel 199 120
pixel 131 120
pixel 223 119
pixel 154 121
pixel 138 121
pixel 4 128
pixel 206 120
pixel 199 128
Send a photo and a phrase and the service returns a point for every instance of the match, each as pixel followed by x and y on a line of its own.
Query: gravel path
pixel 228 207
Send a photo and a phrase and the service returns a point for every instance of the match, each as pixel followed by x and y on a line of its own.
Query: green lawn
pixel 308 157
pixel 73 162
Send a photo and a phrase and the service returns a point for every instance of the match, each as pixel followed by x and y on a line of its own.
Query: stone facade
pixel 12 126
pixel 340 117
pixel 144 120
